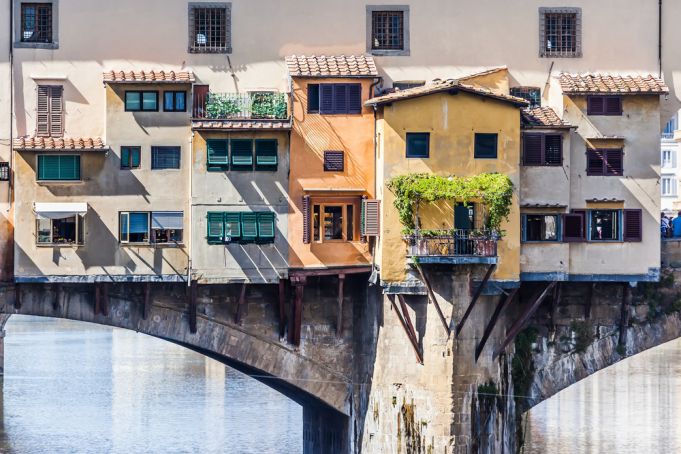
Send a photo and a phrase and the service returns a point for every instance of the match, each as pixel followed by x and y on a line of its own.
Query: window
pixel 50 111
pixel 668 158
pixel 157 227
pixel 485 146
pixel 218 154
pixel 131 157
pixel 560 31
pixel 333 222
pixel 418 144
pixel 165 158
pixel 175 101
pixel 332 99
pixel 541 227
pixel 604 105
pixel 266 154
pixel 542 149
pixel 218 157
pixel 529 94
pixel 141 101
pixel 574 226
pixel 370 219
pixel 64 231
pixel 671 126
pixel 58 167
pixel 407 84
pixel 210 28
pixel 36 23
pixel 605 162
pixel 242 154
pixel 4 171
pixel 388 30
pixel 668 185
pixel 334 161
pixel 246 227
pixel 604 225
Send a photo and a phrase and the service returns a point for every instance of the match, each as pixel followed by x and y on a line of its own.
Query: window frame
pixel 131 148
pixel 175 94
pixel 59 180
pixel 559 228
pixel 149 234
pixel 405 10
pixel 605 171
pixel 79 232
pixel 5 171
pixel 526 92
pixel 619 218
pixel 605 111
pixel 319 106
pixel 415 135
pixel 164 147
pixel 321 206
pixel 328 154
pixel 544 162
pixel 141 95
pixel 543 38
pixel 192 46
pixel 18 41
pixel 229 217
pixel 475 145
pixel 673 186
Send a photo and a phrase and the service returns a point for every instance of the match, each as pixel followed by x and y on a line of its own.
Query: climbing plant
pixel 492 189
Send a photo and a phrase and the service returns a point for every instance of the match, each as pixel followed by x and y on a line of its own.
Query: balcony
pixel 242 111
pixel 459 247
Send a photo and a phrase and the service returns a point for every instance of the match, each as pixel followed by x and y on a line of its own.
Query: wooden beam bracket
pixel 193 291
pixel 503 302
pixel 339 318
pixel 432 299
pixel 477 294
pixel 405 321
pixel 240 307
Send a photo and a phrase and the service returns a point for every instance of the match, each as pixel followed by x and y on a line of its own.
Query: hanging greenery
pixel 492 189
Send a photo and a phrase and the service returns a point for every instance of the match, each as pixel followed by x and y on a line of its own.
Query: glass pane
pixel 168 101
pixel 333 223
pixel 124 219
pixel 351 227
pixel 315 222
pixel 125 157
pixel 64 231
pixel 149 100
pixel 135 157
pixel 139 227
pixel 132 101
pixel 604 225
pixel 44 227
pixel 180 101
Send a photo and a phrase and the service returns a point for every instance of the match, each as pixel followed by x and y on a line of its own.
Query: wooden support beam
pixel 291 317
pixel 57 298
pixel 477 294
pixel 98 298
pixel 432 299
pixel 624 316
pixel 591 288
pixel 412 339
pixel 282 307
pixel 407 319
pixel 193 291
pixel 520 323
pixel 105 299
pixel 241 305
pixel 146 306
pixel 339 319
pixel 503 302
pixel 17 296
pixel 298 311
pixel 557 293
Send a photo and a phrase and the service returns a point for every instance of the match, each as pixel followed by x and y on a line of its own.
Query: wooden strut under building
pixel 520 323
pixel 624 315
pixel 295 320
pixel 192 292
pixel 339 317
pixel 241 305
pixel 408 327
pixel 101 298
pixel 432 299
pixel 557 293
pixel 146 305
pixel 504 301
pixel 282 307
pixel 477 294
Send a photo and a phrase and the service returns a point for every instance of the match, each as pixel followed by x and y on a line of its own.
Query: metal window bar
pixel 560 34
pixel 209 32
pixel 4 171
pixel 448 243
pixel 36 22
pixel 387 30
pixel 259 105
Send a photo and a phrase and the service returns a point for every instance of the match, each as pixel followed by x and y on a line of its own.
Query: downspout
pixel 659 37
pixel 10 192
pixel 191 210
pixel 376 82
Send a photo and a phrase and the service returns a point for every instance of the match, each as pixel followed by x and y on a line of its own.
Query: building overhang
pixel 237 125
pixel 452 260
pixel 60 144
pixel 148 77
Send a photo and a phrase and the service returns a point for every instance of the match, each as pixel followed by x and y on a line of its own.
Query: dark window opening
pixel 4 171
pixel 418 144
pixel 131 157
pixel 209 30
pixel 604 105
pixel 529 94
pixel 165 158
pixel 175 101
pixel 542 149
pixel 60 231
pixel 540 227
pixel 604 225
pixel 485 146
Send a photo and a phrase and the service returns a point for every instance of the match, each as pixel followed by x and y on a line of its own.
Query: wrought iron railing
pixel 448 243
pixel 244 106
pixel 667 135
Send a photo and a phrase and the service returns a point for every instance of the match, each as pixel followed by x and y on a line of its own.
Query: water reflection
pixel 74 387
pixel 631 407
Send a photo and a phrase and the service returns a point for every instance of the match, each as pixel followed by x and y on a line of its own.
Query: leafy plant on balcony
pixel 268 105
pixel 492 189
pixel 222 105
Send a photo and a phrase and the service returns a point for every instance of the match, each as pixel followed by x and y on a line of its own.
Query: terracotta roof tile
pixel 542 117
pixel 60 144
pixel 331 66
pixel 543 205
pixel 579 84
pixel 242 125
pixel 184 77
pixel 439 86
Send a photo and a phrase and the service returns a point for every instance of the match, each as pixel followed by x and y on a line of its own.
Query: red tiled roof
pixel 579 84
pixel 440 86
pixel 241 125
pixel 331 66
pixel 184 77
pixel 541 117
pixel 60 144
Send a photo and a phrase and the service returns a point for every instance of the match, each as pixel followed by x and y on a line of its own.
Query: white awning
pixel 58 210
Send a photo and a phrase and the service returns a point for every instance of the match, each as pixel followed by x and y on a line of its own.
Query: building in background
pixel 669 167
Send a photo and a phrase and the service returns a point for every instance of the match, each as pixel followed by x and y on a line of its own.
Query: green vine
pixel 492 189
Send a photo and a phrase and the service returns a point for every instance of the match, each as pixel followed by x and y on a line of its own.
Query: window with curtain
pixel 165 158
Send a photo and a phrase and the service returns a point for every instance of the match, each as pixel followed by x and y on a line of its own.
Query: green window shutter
pixel 266 226
pixel 69 167
pixel 232 225
pixel 48 167
pixel 125 157
pixel 249 226
pixel 215 228
pixel 136 154
pixel 266 152
pixel 59 167
pixel 217 152
pixel 242 152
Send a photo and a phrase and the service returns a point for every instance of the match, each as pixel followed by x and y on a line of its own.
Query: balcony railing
pixel 448 243
pixel 240 106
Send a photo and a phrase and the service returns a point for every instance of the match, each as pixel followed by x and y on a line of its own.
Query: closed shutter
pixel 199 101
pixel 249 226
pixel 573 227
pixel 595 105
pixel 613 105
pixel 594 162
pixel 614 160
pixel 326 98
pixel 43 112
pixel 215 228
pixel 354 98
pixel 633 225
pixel 334 161
pixel 232 226
pixel 340 98
pixel 56 111
pixel 266 152
pixel 217 151
pixel 553 150
pixel 48 167
pixel 69 167
pixel 306 219
pixel 532 149
pixel 371 217
pixel 266 226
pixel 242 152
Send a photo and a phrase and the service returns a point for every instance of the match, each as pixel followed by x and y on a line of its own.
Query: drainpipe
pixel 11 105
pixel 376 82
pixel 659 37
pixel 191 211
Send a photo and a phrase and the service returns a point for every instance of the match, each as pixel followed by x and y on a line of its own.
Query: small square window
pixel 560 32
pixel 529 94
pixel 175 101
pixel 334 161
pixel 210 28
pixel 387 29
pixel 485 146
pixel 131 157
pixel 4 171
pixel 418 144
pixel 165 158
pixel 136 101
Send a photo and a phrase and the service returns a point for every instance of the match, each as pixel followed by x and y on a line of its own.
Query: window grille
pixel 210 29
pixel 529 94
pixel 36 22
pixel 560 32
pixel 4 171
pixel 387 30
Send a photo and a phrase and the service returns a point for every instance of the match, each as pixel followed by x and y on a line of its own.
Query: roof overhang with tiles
pixel 606 84
pixel 149 77
pixel 329 66
pixel 58 144
pixel 542 118
pixel 241 125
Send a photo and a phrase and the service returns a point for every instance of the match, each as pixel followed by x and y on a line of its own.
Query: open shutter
pixel 614 161
pixel 371 217
pixel 232 226
pixel 199 101
pixel 42 126
pixel 532 149
pixel 306 219
pixel 217 152
pixel 594 162
pixel 242 152
pixel 613 105
pixel 326 99
pixel 249 226
pixel 266 226
pixel 633 225
pixel 56 111
pixel 354 98
pixel 573 227
pixel 215 229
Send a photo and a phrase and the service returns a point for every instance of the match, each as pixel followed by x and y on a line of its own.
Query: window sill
pixel 543 242
pixel 153 245
pixel 59 245
pixel 390 52
pixel 26 45
pixel 59 182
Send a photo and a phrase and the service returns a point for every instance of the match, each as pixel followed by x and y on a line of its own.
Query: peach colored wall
pixel 313 134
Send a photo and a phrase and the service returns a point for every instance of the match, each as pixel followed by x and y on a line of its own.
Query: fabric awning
pixel 171 220
pixel 59 210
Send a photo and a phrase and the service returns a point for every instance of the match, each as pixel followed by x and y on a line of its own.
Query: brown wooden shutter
pixel 371 224
pixel 334 161
pixel 594 162
pixel 42 125
pixel 573 227
pixel 613 105
pixel 532 149
pixel 306 219
pixel 595 105
pixel 614 161
pixel 633 225
pixel 56 111
pixel 199 101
